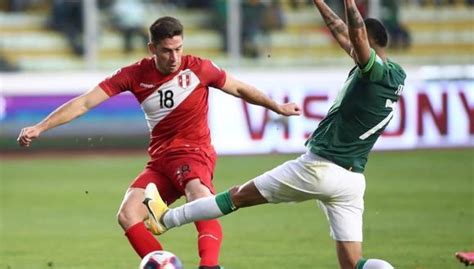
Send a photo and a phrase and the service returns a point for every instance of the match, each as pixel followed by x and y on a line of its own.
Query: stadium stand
pixel 441 34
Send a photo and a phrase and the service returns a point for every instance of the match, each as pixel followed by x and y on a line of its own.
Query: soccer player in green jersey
pixel 331 170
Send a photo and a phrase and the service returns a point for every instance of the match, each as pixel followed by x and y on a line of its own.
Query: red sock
pixel 142 240
pixel 209 241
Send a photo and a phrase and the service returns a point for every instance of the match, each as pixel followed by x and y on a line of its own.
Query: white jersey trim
pixel 178 88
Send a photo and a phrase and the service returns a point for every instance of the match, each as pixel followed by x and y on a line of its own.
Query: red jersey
pixel 176 105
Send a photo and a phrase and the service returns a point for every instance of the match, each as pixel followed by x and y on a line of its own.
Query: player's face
pixel 168 54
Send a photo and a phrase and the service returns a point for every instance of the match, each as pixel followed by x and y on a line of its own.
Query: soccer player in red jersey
pixel 173 91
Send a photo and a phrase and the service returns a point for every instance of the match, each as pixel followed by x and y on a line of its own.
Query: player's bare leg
pixel 130 217
pixel 131 210
pixel 350 257
pixel 247 195
pixel 348 253
pixel 466 257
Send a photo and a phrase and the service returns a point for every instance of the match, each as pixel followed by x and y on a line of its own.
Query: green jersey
pixel 359 114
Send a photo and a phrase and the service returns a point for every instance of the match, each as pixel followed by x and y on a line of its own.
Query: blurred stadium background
pixel 52 50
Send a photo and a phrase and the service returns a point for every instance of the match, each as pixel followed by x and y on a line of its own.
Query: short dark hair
pixel 165 27
pixel 376 31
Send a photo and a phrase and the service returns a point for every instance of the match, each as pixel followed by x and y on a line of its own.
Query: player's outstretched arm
pixel 252 95
pixel 357 33
pixel 63 114
pixel 335 24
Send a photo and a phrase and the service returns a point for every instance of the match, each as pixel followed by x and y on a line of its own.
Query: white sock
pixel 376 264
pixel 200 209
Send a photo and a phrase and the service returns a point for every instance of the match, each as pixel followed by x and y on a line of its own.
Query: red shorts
pixel 171 172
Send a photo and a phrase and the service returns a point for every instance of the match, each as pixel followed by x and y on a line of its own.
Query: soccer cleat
pixel 466 257
pixel 156 208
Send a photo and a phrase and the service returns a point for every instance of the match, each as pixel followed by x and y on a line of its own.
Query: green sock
pixel 360 264
pixel 224 202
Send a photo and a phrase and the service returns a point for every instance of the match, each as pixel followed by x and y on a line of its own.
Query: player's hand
pixel 289 109
pixel 27 135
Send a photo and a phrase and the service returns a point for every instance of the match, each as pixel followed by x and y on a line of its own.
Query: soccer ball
pixel 160 260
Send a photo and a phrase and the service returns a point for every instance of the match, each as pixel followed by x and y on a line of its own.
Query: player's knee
pixel 195 189
pixel 123 219
pixel 127 219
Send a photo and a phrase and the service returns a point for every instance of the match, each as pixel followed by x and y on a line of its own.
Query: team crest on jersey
pixel 184 80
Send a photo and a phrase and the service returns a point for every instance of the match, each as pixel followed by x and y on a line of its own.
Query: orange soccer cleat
pixel 156 208
pixel 465 257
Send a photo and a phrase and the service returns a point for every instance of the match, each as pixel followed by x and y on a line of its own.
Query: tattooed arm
pixel 335 24
pixel 357 33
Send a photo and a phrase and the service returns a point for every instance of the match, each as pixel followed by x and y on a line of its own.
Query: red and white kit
pixel 176 109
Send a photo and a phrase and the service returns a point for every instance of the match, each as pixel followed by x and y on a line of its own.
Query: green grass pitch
pixel 59 212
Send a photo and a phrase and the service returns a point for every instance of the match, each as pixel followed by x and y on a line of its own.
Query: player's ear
pixel 151 48
pixel 372 42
